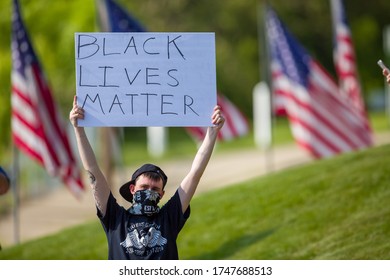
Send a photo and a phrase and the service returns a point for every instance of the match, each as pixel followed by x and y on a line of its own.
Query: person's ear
pixel 132 188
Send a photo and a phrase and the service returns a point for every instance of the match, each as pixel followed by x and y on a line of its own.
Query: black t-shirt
pixel 136 237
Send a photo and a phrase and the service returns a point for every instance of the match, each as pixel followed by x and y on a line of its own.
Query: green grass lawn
pixel 330 209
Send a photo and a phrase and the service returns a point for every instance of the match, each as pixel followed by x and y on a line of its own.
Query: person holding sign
pixel 144 231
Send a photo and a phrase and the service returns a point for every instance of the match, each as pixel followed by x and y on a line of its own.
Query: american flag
pixel 236 124
pixel 113 18
pixel 322 121
pixel 344 58
pixel 37 129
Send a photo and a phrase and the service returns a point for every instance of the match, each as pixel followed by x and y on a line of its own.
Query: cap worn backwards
pixel 125 188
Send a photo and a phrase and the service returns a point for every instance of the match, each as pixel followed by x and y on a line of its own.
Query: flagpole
pixel 265 74
pixel 15 191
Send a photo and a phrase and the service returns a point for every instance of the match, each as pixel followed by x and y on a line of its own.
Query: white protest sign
pixel 145 79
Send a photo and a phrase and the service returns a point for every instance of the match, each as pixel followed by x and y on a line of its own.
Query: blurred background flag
pixel 37 129
pixel 236 124
pixel 321 120
pixel 113 18
pixel 345 59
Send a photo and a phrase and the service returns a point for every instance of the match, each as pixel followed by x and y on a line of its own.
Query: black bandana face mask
pixel 145 203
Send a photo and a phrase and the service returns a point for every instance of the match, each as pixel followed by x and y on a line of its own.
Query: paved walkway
pixel 58 209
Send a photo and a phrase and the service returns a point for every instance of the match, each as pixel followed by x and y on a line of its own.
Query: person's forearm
pixel 190 182
pixel 85 150
pixel 98 182
pixel 204 153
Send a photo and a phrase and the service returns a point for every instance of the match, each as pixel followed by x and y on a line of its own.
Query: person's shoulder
pixel 113 208
pixel 175 198
pixel 174 205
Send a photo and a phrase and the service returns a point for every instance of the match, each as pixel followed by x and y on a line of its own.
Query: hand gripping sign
pixel 145 79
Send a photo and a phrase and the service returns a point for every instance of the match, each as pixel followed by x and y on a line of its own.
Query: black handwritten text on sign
pixel 146 79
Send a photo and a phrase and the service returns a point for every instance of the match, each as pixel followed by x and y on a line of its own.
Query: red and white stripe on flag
pixel 345 59
pixel 322 121
pixel 37 129
pixel 236 124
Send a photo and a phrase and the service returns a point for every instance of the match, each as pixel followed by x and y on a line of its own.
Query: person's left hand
pixel 217 118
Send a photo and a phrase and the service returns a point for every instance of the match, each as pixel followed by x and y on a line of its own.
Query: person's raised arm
pixel 98 182
pixel 189 184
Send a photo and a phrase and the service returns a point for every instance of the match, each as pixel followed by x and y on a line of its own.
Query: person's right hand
pixel 386 73
pixel 76 112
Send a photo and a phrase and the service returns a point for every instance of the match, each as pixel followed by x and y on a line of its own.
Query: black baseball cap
pixel 148 167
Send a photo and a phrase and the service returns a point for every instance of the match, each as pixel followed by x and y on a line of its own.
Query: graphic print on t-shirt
pixel 143 239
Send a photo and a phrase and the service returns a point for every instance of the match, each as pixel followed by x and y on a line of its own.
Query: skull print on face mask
pixel 145 203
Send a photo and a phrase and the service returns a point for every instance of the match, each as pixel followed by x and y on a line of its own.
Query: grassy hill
pixel 330 209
